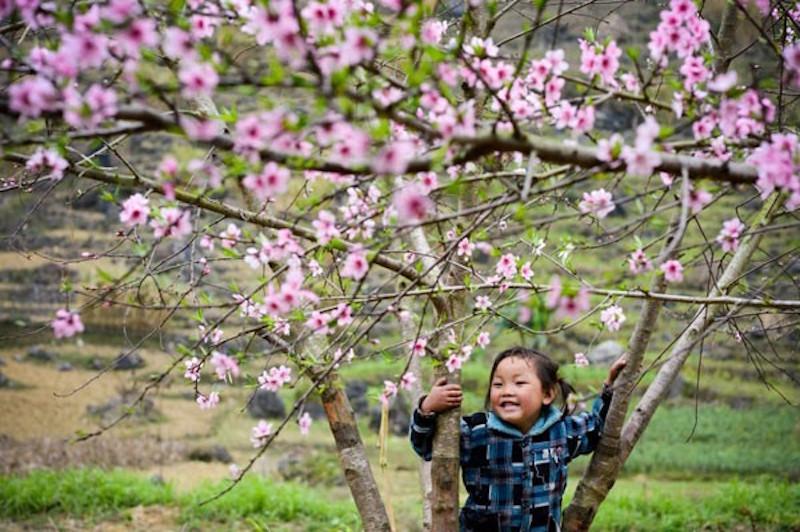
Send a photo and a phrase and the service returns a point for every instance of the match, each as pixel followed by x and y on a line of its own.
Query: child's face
pixel 516 393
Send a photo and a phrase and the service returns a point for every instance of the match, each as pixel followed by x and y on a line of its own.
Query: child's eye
pixel 497 384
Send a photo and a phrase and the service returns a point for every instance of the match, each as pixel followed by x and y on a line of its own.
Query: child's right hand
pixel 443 397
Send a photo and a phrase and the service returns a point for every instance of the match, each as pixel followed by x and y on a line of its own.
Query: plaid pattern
pixel 515 481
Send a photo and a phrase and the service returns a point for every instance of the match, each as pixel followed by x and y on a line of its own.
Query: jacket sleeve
pixel 584 430
pixel 421 431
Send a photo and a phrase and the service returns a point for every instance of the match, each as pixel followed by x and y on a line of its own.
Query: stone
pixel 2 362
pixel 40 354
pixel 96 363
pixel 5 382
pixel 213 453
pixel 356 391
pixel 129 361
pixel 65 366
pixel 399 417
pixel 109 411
pixel 314 409
pixel 605 353
pixel 266 405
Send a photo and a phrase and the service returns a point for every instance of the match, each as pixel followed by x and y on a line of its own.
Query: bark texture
pixel 353 458
pixel 444 467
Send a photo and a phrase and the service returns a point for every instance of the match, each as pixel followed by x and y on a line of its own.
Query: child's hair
pixel 546 370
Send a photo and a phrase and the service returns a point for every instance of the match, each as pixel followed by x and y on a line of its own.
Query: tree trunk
pixel 353 458
pixel 444 466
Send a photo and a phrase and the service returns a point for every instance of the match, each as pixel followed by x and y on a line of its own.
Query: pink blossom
pixel 135 211
pixel 482 302
pixel 208 402
pixel 315 269
pixel 48 162
pixel 325 225
pixel 318 322
pixel 193 367
pixel 304 423
pixel 260 434
pixel 90 110
pixel 172 222
pixel 730 234
pixel 454 363
pixel 698 198
pixel 201 129
pixel 359 46
pixel 118 11
pixel 694 71
pixel 598 202
pixel 507 266
pixel 33 96
pixel 638 262
pixel 418 347
pixel 393 158
pixel 343 314
pixel 225 366
pixel 640 161
pixel 412 204
pixel 139 33
pixel 723 82
pixel 66 324
pixel 178 45
pixel 581 361
pixel 465 248
pixel 554 292
pixel 432 31
pixel 428 181
pixel 86 50
pixel 387 96
pixel 271 182
pixel 791 58
pixel 483 339
pixel 613 317
pixel 526 271
pixel 552 90
pixel 356 265
pixel 673 271
pixel 407 381
pixel 608 150
pixel 275 378
pixel 197 79
pixel 323 18
pixel 389 391
pixel 573 306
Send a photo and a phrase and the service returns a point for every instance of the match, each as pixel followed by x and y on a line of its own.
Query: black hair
pixel 546 370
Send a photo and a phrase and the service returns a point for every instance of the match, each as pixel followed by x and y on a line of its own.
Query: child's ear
pixel 549 396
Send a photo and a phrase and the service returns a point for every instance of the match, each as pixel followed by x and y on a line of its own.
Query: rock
pixel 399 417
pixel 314 409
pixel 108 412
pixel 214 453
pixel 5 382
pixel 356 391
pixel 65 366
pixel 2 362
pixel 40 354
pixel 129 361
pixel 266 405
pixel 605 353
pixel 312 468
pixel 96 363
pixel 157 480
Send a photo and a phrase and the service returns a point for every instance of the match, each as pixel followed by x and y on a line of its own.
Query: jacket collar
pixel 547 418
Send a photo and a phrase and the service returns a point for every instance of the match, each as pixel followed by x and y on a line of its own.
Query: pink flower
pixel 315 269
pixel 48 162
pixel 260 434
pixel 193 367
pixel 554 292
pixel 318 322
pixel 197 79
pixel 178 45
pixel 599 202
pixel 304 423
pixel 482 302
pixel 86 49
pixel 359 46
pixel 581 361
pixel 225 366
pixel 483 339
pixel 428 181
pixel 673 271
pixel 418 347
pixel 230 236
pixel 723 82
pixel 66 324
pixel 201 129
pixel 613 317
pixel 507 266
pixel 572 306
pixel 407 380
pixel 118 11
pixel 640 161
pixel 412 204
pixel 325 224
pixel 389 391
pixel 454 363
pixel 432 31
pixel 271 182
pixel 608 150
pixel 172 222
pixel 465 248
pixel 638 262
pixel 139 33
pixel 135 211
pixel 356 265
pixel 33 96
pixel 698 198
pixel 730 234
pixel 526 271
pixel 394 158
pixel 208 402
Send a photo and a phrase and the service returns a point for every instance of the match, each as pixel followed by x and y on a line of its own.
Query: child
pixel 514 457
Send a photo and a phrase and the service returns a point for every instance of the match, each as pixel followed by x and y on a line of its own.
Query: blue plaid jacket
pixel 515 481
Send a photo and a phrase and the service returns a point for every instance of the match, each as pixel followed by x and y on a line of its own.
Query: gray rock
pixel 266 405
pixel 96 363
pixel 129 361
pixel 40 354
pixel 605 353
pixel 2 362
pixel 314 409
pixel 214 453
pixel 356 391
pixel 399 417
pixel 108 412
pixel 5 382
pixel 65 366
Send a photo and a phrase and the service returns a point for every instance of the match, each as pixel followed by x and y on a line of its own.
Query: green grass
pixel 78 492
pixel 644 504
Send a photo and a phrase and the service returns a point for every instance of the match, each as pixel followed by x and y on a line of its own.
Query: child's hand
pixel 616 368
pixel 443 397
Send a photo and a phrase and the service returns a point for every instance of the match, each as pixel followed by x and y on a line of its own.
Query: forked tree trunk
pixel 353 458
pixel 605 466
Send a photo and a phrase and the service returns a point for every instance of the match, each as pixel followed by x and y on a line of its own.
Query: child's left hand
pixel 616 368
